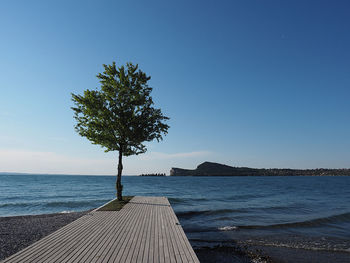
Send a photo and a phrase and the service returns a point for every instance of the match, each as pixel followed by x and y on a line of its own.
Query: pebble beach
pixel 18 232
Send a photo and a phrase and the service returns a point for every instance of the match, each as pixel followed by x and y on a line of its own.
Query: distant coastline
pixel 153 174
pixel 216 169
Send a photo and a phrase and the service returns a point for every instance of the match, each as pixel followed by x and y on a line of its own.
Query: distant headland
pixel 216 169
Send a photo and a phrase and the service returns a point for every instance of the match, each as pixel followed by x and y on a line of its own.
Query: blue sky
pixel 245 83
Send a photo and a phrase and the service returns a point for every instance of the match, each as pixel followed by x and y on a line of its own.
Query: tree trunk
pixel 119 186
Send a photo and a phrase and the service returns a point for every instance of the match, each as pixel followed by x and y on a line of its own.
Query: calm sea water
pixel 297 212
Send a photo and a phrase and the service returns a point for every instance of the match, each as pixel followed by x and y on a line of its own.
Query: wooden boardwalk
pixel 145 230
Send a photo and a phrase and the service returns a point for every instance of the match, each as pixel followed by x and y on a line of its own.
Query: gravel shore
pixel 18 232
pixel 236 254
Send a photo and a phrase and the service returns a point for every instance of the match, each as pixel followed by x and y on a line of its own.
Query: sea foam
pixel 228 228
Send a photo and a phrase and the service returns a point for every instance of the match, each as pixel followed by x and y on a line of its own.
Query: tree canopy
pixel 120 115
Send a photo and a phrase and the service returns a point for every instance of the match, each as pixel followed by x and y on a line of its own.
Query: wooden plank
pixel 70 243
pixel 132 257
pixel 187 248
pixel 147 241
pixel 168 238
pixel 173 237
pixel 131 238
pixel 91 241
pixel 75 249
pixel 108 242
pixel 166 248
pixel 142 240
pixel 156 255
pixel 172 249
pixel 112 251
pixel 142 230
pixel 151 241
pixel 110 238
pixel 173 224
pixel 94 244
pixel 186 256
pixel 128 231
pixel 145 230
pixel 63 246
pixel 159 236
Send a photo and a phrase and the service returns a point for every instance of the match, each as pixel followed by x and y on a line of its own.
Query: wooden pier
pixel 144 230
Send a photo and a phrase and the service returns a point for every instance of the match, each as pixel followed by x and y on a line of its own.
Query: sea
pixel 306 213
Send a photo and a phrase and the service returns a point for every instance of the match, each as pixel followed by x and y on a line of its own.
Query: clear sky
pixel 245 83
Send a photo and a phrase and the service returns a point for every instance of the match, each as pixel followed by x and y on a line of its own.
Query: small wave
pixel 66 212
pixel 197 199
pixel 75 204
pixel 199 229
pixel 190 214
pixel 174 200
pixel 228 228
pixel 302 243
pixel 242 197
pixel 308 223
pixel 17 205
pixel 223 218
pixel 280 208
pixel 56 204
pixel 13 197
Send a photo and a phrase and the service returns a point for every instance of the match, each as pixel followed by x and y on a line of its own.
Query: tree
pixel 120 115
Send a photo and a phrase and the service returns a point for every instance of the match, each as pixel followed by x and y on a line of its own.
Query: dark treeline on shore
pixel 154 174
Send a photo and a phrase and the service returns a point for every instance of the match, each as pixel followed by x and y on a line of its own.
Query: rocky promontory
pixel 216 169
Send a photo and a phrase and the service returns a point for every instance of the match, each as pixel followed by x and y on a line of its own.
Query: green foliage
pixel 120 115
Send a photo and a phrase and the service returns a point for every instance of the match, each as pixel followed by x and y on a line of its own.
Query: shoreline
pixel 18 232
